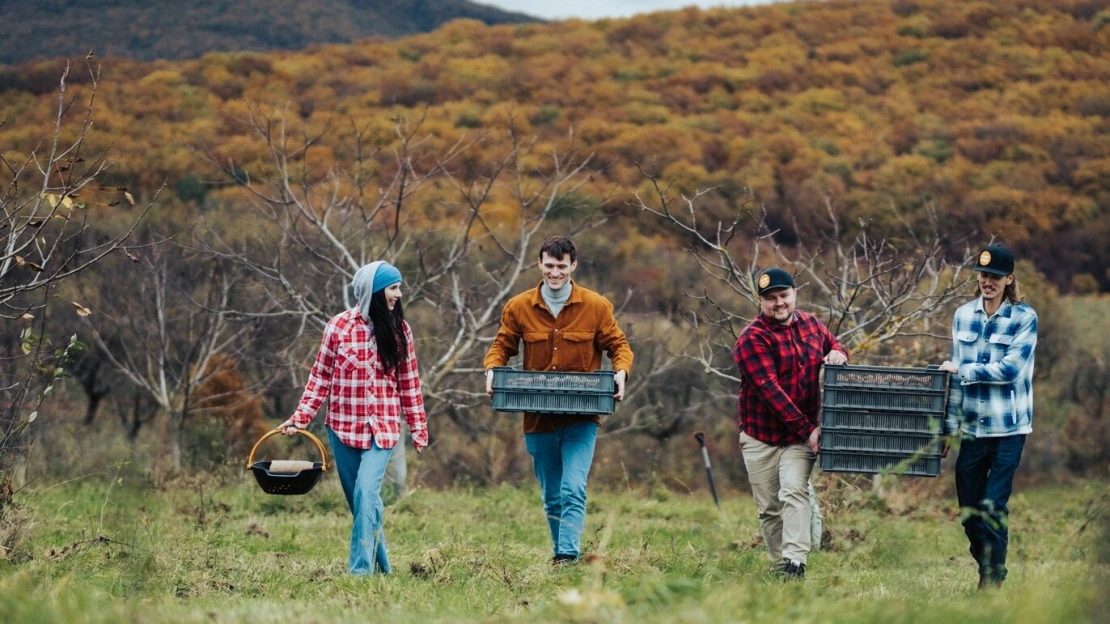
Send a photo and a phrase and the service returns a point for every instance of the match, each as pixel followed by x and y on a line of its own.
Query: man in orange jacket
pixel 564 327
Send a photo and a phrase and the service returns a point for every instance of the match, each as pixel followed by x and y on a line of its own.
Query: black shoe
pixel 562 560
pixel 793 571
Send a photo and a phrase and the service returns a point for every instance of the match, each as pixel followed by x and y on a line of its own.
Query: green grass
pixel 483 555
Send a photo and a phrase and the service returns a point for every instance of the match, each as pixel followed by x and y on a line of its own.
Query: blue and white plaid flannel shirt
pixel 993 394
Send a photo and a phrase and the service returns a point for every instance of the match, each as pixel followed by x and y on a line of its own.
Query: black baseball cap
pixel 996 260
pixel 770 279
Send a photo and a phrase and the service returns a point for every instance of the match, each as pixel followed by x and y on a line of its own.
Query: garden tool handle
pixel 704 451
pixel 708 467
pixel 319 445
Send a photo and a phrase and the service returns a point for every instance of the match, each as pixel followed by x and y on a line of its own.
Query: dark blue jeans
pixel 984 481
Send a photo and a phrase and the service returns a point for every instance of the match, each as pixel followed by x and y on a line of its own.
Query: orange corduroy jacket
pixel 572 342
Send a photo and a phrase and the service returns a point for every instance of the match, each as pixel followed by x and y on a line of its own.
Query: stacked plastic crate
pixel 551 392
pixel 883 419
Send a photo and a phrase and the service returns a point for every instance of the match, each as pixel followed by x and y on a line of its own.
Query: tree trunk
pixel 133 427
pixel 177 432
pixel 93 391
pixel 92 406
pixel 19 468
pixel 137 418
pixel 178 425
pixel 175 445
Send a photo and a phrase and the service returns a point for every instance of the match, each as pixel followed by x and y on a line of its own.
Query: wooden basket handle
pixel 319 445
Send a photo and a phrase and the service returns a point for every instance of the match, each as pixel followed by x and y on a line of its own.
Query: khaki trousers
pixel 779 477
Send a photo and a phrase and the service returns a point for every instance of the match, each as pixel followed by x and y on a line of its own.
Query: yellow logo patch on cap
pixel 764 280
pixel 984 258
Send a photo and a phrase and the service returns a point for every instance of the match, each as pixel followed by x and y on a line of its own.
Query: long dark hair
pixel 389 331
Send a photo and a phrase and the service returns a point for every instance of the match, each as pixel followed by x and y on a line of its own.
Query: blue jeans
pixel 361 472
pixel 984 481
pixel 562 461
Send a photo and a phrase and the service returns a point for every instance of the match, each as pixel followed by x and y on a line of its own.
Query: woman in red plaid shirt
pixel 780 355
pixel 367 370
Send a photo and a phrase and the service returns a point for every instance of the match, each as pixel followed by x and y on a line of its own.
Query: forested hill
pixel 979 117
pixel 175 29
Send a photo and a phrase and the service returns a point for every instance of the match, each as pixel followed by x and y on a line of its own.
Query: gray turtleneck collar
pixel 556 299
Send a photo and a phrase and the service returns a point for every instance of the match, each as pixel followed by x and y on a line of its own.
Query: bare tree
pixel 462 259
pixel 664 398
pixel 46 203
pixel 168 325
pixel 52 228
pixel 871 290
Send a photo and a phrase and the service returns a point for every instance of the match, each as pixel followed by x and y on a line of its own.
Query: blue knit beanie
pixel 370 279
pixel 386 276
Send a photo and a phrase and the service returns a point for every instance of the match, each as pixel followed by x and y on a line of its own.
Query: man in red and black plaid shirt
pixel 780 356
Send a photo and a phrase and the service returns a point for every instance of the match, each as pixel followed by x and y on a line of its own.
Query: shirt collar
pixel 355 315
pixel 1003 310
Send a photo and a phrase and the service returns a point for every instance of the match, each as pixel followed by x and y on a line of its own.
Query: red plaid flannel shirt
pixel 364 402
pixel 780 397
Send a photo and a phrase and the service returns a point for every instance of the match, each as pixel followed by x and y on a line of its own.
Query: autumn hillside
pixel 163 29
pixel 975 117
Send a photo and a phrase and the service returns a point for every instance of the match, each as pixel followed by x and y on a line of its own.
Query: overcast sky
pixel 594 9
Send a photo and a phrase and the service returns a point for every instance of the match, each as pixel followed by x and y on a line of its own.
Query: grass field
pixel 483 555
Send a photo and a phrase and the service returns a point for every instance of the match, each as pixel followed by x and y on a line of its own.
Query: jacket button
pixel 556 348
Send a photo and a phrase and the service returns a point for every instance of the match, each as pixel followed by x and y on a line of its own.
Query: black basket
pixel 287 483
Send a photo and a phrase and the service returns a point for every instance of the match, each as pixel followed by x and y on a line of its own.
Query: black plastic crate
pixel 891 422
pixel 886 399
pixel 910 465
pixel 553 392
pixel 902 378
pixel 864 442
pixel 885 388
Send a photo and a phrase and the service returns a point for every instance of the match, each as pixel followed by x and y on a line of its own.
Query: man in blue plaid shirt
pixel 990 405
